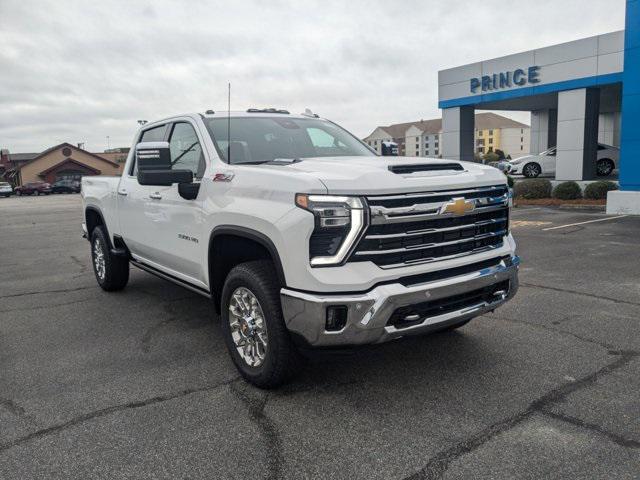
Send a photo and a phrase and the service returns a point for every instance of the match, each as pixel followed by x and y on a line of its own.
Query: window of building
pixel 521 131
pixel 490 149
pixel 490 132
pixel 426 152
pixel 490 141
pixel 375 142
pixel 479 133
pixel 480 149
pixel 521 139
pixel 521 147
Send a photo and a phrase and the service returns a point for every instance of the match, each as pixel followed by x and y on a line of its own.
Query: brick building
pixel 64 161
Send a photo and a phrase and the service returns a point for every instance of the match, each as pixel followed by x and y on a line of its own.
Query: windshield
pixel 263 139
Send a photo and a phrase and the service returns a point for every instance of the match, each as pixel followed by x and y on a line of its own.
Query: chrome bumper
pixel 369 313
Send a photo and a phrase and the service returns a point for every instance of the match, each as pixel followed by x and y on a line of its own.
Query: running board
pixel 171 278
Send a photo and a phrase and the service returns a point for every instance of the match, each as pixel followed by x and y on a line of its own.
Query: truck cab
pixel 300 235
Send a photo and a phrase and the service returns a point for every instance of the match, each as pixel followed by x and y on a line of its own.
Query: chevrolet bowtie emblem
pixel 458 206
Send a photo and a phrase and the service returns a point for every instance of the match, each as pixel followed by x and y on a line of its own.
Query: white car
pixel 301 235
pixel 5 189
pixel 545 163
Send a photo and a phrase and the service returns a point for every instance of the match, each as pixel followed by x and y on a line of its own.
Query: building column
pixel 577 134
pixel 544 124
pixel 627 199
pixel 458 133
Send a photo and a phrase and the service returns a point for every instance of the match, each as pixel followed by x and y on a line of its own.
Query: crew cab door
pixel 161 228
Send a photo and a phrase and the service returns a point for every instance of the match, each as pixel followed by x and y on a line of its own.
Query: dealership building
pixel 579 93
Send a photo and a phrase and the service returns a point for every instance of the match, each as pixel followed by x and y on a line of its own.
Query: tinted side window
pixel 155 134
pixel 186 151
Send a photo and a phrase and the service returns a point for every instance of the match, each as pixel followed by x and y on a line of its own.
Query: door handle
pixel 155 196
pixel 122 192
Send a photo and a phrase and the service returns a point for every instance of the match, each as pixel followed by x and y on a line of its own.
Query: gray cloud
pixel 79 71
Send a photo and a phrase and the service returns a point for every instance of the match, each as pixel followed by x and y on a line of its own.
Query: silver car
pixel 5 189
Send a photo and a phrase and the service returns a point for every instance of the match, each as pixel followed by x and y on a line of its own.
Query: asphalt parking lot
pixel 138 384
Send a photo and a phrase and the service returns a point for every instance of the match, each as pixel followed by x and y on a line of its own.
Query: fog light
pixel 336 318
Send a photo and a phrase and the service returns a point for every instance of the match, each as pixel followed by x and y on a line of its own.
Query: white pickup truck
pixel 301 235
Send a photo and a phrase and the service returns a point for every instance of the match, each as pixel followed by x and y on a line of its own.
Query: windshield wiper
pixel 275 161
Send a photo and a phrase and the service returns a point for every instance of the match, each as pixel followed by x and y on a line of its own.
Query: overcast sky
pixel 82 71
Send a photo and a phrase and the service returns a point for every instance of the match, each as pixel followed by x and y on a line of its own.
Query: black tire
pixel 531 170
pixel 18 193
pixel 35 193
pixel 116 269
pixel 604 167
pixel 281 360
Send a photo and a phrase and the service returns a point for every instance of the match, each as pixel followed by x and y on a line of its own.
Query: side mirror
pixel 154 165
pixel 153 156
pixel 164 178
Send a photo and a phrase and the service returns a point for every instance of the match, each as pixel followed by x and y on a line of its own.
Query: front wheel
pixel 604 167
pixel 253 327
pixel 112 272
pixel 531 170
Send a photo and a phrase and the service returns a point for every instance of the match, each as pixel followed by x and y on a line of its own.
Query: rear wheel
pixel 604 167
pixel 112 272
pixel 253 327
pixel 531 170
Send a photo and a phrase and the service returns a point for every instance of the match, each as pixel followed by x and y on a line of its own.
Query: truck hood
pixel 373 175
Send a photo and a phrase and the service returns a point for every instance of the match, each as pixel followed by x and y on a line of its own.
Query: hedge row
pixel 541 188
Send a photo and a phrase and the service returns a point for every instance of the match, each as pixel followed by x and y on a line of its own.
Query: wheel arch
pixel 230 245
pixel 94 218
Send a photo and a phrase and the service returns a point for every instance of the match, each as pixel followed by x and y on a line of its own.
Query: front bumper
pixel 369 313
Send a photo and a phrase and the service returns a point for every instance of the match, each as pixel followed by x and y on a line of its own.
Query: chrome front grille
pixel 412 228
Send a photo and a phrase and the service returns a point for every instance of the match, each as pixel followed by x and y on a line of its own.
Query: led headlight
pixel 339 221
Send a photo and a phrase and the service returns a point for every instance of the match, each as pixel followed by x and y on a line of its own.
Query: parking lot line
pixel 582 223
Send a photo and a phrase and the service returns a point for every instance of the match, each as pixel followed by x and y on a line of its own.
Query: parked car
pixel 65 186
pixel 545 163
pixel 5 189
pixel 302 236
pixel 33 188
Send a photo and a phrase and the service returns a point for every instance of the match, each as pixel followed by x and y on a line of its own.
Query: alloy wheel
pixel 99 260
pixel 248 327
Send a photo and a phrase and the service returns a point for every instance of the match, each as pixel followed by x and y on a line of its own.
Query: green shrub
pixel 567 191
pixel 598 190
pixel 533 188
pixel 490 157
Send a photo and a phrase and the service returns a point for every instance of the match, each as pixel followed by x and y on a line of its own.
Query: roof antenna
pixel 229 125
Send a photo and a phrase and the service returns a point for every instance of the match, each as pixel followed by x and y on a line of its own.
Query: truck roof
pixel 256 112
